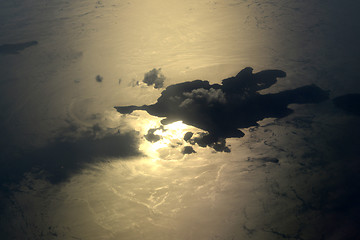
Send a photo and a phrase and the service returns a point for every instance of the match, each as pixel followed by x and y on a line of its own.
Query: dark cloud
pixel 205 139
pixel 188 136
pixel 222 109
pixel 349 103
pixel 154 77
pixel 188 150
pixel 63 157
pixel 151 136
pixel 15 48
pixel 99 78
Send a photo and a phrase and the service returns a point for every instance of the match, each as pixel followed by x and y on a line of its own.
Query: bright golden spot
pixel 174 130
pixel 171 141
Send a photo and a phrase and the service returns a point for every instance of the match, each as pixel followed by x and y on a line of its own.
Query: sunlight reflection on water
pixel 164 194
pixel 171 136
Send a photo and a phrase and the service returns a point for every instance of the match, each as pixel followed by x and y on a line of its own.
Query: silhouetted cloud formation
pixel 62 158
pixel 188 150
pixel 349 103
pixel 222 109
pixel 154 77
pixel 99 78
pixel 188 136
pixel 203 140
pixel 151 136
pixel 15 48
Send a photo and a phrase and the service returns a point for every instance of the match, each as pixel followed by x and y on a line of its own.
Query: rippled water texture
pixel 64 65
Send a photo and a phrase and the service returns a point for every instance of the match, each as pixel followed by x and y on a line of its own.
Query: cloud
pixel 99 78
pixel 154 77
pixel 188 136
pixel 15 48
pixel 65 156
pixel 201 95
pixel 151 136
pixel 205 139
pixel 222 109
pixel 188 150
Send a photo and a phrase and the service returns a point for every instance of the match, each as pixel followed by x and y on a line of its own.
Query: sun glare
pixel 166 141
pixel 170 144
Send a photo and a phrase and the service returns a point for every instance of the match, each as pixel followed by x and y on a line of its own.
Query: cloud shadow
pixel 62 158
pixel 7 49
